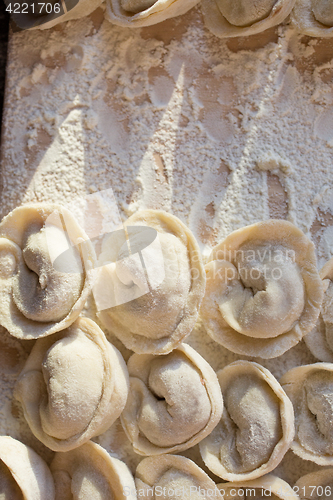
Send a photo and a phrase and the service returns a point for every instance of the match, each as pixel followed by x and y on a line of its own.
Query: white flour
pixel 171 117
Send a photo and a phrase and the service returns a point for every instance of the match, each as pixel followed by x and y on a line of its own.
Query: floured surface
pixel 220 133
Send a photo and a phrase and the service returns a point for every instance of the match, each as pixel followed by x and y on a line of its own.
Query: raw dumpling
pixel 230 18
pixel 310 388
pixel 157 285
pixel 320 339
pixel 23 474
pixel 48 15
pixel 90 473
pixel 46 263
pixel 269 486
pixel 316 485
pixel 256 428
pixel 74 386
pixel 263 290
pixel 313 17
pixel 171 477
pixel 138 13
pixel 174 401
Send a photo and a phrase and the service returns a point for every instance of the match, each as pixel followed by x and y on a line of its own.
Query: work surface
pixel 220 133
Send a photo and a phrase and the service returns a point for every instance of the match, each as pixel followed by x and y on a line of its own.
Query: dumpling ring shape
pixel 313 17
pixel 310 388
pixel 174 401
pixel 139 13
pixel 46 270
pixel 257 424
pixel 320 339
pixel 23 474
pixel 171 477
pixel 231 18
pixel 73 386
pixel 90 473
pixel 158 288
pixel 263 291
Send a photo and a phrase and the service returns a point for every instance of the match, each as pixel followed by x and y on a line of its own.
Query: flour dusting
pixel 222 133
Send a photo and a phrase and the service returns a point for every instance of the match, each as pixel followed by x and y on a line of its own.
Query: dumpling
pixel 230 18
pixel 90 473
pixel 171 477
pixel 316 485
pixel 257 424
pixel 269 486
pixel 46 264
pixel 23 474
pixel 48 15
pixel 313 17
pixel 310 388
pixel 263 289
pixel 174 401
pixel 73 386
pixel 139 13
pixel 320 339
pixel 156 285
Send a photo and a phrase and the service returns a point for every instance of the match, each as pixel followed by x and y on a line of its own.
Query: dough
pixel 73 387
pixel 244 13
pixel 320 339
pixel 174 401
pixel 171 477
pixel 257 424
pixel 90 473
pixel 231 18
pixel 316 485
pixel 310 388
pixel 313 17
pixel 46 265
pixel 156 286
pixel 263 291
pixel 23 474
pixel 139 13
pixel 272 486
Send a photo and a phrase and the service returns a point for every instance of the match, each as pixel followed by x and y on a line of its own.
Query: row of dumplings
pixel 75 384
pixel 87 473
pixel 90 473
pixel 225 18
pixel 259 292
pixel 262 283
pixel 230 18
